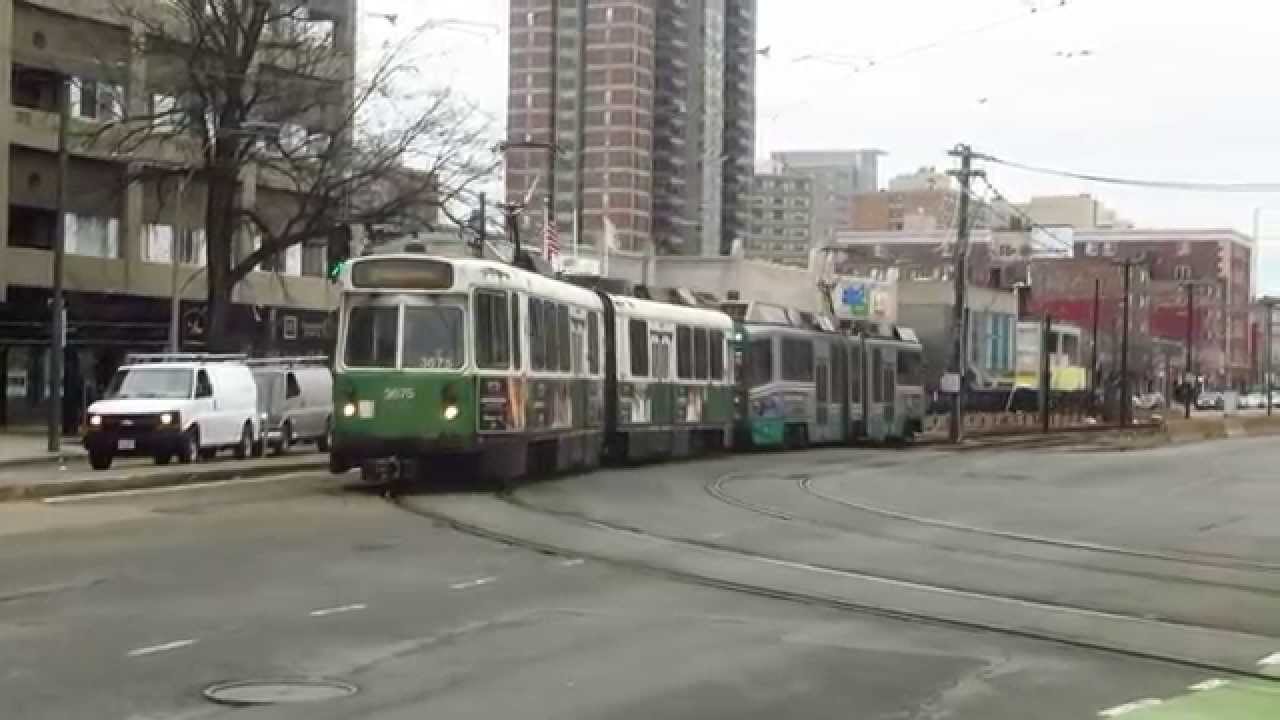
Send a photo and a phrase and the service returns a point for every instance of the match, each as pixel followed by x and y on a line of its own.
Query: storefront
pixel 103 328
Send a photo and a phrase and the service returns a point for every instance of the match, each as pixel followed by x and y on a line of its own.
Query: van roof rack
pixel 300 360
pixel 141 358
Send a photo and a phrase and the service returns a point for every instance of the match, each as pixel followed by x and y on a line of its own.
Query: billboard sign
pixel 863 300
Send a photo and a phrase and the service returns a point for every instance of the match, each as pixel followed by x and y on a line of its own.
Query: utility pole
pixel 58 338
pixel 1046 386
pixel 960 277
pixel 1188 374
pixel 1269 303
pixel 1093 363
pixel 1126 399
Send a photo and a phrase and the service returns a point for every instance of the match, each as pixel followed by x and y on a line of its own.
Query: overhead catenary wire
pixel 1193 186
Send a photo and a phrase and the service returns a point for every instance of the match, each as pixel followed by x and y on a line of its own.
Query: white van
pixel 295 401
pixel 171 405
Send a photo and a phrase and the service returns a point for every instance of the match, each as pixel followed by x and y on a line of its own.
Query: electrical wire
pixel 1256 187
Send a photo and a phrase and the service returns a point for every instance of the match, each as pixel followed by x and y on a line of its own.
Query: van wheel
pixel 100 460
pixel 190 448
pixel 286 439
pixel 325 441
pixel 208 453
pixel 245 447
pixel 163 458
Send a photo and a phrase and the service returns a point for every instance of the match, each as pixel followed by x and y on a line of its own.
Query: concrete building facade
pixel 651 105
pixel 119 235
pixel 781 219
pixel 837 175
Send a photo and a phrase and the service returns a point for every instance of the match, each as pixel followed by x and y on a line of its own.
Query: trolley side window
pixel 593 343
pixel 564 341
pixel 684 353
pixel 797 360
pixel 910 368
pixel 717 355
pixel 855 374
pixel 432 337
pixel 700 353
pixel 493 331
pixel 638 344
pixel 537 336
pixel 877 375
pixel 551 336
pixel 516 337
pixel 760 362
pixel 371 337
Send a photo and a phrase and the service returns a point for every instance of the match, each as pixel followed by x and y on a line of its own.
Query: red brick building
pixel 1218 261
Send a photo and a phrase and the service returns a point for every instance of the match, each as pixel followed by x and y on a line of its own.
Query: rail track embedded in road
pixel 648 567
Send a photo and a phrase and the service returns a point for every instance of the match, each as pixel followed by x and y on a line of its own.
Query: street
pixel 863 583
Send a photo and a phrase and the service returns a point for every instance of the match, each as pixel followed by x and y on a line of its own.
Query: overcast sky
pixel 1167 90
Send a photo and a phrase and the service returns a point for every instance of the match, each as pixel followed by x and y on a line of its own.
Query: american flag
pixel 550 240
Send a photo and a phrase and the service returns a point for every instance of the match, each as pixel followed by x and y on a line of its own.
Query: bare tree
pixel 268 94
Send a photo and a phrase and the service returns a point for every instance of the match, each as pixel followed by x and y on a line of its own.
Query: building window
pixel 314 259
pixel 1182 272
pixel 92 236
pixel 32 227
pixel 93 100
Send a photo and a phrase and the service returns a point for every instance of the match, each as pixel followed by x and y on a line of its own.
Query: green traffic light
pixel 336 270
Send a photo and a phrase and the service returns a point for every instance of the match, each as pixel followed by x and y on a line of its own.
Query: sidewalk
pixel 23 447
pixel 47 480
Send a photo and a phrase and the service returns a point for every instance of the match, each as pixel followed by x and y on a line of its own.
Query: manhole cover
pixel 273 692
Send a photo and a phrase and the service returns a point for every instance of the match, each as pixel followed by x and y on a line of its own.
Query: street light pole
pixel 175 299
pixel 58 340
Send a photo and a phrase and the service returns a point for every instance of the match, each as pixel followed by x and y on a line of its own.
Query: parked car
pixel 295 401
pixel 1210 400
pixel 171 405
pixel 1148 401
pixel 1252 400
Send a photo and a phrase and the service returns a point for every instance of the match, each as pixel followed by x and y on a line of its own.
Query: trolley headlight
pixel 450 412
pixel 349 410
pixel 95 420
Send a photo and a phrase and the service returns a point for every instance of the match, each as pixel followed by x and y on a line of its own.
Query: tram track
pixel 1099 644
pixel 716 489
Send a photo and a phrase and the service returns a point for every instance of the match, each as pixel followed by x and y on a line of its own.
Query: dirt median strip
pixel 151 479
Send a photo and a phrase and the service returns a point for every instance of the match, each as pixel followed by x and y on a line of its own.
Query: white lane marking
pixel 86 497
pixel 153 649
pixel 1272 659
pixel 715 535
pixel 472 583
pixel 335 610
pixel 571 562
pixel 1210 684
pixel 1119 710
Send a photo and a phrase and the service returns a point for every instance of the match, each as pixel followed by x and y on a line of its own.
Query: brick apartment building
pixel 119 237
pixel 652 107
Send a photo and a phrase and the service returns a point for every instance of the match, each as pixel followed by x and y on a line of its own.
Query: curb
pixel 40 491
pixel 15 463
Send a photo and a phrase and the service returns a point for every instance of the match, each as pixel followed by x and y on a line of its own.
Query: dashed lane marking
pixel 1126 708
pixel 467 584
pixel 1272 659
pixel 1210 684
pixel 153 649
pixel 336 610
pixel 571 562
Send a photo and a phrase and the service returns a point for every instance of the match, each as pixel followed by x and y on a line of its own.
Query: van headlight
pixel 450 412
pixel 349 410
pixel 95 420
pixel 166 418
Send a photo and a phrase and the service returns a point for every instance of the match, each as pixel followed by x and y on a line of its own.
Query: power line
pixel 1260 187
pixel 1027 219
pixel 862 64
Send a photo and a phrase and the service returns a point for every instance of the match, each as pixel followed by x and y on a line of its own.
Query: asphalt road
pixel 127 607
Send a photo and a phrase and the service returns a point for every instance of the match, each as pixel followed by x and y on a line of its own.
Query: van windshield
pixel 137 382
